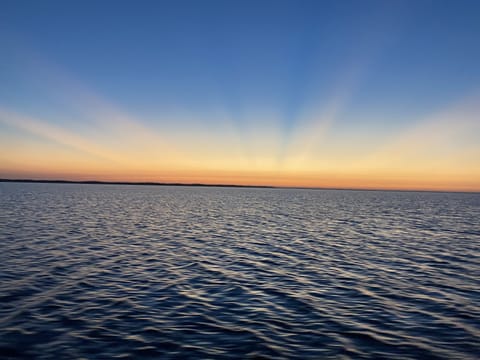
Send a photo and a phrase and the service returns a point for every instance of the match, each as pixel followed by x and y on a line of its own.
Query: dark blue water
pixel 110 271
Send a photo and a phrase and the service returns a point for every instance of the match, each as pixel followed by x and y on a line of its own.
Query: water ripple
pixel 170 272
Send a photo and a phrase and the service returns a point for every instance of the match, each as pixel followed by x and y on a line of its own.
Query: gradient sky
pixel 362 94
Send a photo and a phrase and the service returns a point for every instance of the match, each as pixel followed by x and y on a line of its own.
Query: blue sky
pixel 153 54
pixel 380 64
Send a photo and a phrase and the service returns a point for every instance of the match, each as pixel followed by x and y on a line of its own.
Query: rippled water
pixel 105 271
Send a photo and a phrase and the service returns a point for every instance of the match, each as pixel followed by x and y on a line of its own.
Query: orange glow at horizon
pixel 387 181
pixel 436 153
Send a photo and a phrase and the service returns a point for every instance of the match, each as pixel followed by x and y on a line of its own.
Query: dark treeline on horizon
pixel 152 183
pixel 97 182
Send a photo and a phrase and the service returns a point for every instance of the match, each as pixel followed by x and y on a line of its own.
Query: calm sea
pixel 111 271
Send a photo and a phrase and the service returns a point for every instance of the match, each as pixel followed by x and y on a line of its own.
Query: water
pixel 107 271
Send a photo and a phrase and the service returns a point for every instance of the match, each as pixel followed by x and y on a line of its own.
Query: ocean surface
pixel 118 271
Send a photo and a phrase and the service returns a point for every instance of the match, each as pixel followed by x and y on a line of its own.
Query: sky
pixel 341 94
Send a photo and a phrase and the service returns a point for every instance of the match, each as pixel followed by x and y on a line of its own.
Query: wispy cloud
pixel 54 133
pixel 439 142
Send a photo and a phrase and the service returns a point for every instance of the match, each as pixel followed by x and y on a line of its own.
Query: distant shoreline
pixel 152 183
pixel 96 182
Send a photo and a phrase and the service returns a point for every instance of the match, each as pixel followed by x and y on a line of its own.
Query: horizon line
pixel 155 183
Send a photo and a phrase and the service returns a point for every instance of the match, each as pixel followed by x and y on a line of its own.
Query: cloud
pixel 443 141
pixel 54 133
